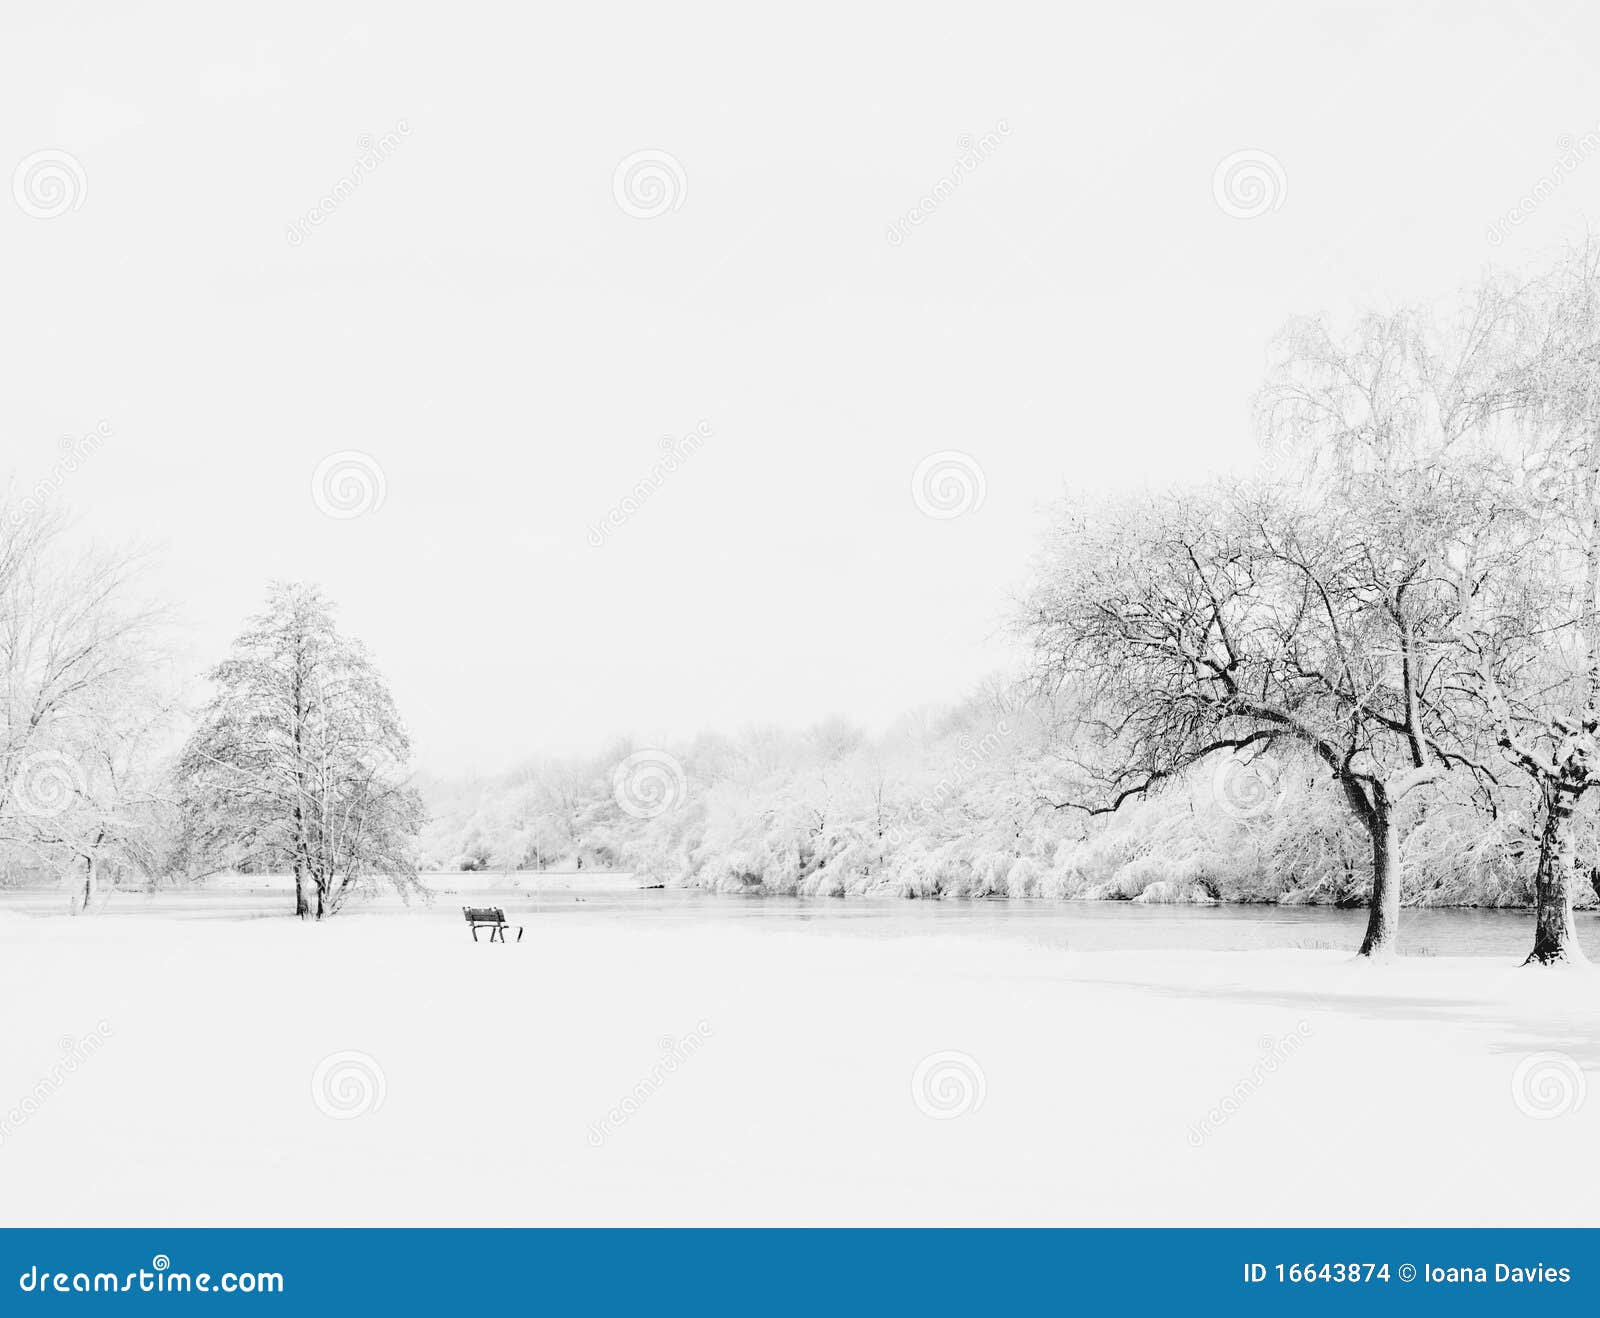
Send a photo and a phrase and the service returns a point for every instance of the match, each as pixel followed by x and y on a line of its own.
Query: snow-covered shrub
pixel 965 803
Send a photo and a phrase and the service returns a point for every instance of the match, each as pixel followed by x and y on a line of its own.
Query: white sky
pixel 483 318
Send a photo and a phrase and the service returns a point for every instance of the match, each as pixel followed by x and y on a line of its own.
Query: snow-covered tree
pixel 82 708
pixel 1243 625
pixel 1532 596
pixel 299 758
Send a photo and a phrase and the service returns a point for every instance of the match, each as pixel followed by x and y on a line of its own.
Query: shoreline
pixel 536 881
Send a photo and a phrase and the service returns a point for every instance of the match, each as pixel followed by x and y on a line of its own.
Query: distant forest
pixel 960 803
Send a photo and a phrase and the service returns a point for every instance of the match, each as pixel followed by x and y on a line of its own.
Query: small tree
pixel 81 715
pixel 121 816
pixel 298 759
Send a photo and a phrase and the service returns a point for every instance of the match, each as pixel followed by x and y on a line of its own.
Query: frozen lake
pixel 1083 926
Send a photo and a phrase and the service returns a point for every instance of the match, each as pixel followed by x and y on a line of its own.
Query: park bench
pixel 491 918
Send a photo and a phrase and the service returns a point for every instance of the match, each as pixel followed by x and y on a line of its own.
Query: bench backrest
pixel 484 914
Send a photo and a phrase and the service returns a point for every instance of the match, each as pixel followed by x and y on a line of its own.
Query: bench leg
pixel 474 933
pixel 519 933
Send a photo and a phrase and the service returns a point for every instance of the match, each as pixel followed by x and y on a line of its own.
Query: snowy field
pixel 383 1070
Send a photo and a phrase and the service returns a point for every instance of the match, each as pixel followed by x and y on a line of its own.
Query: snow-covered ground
pixel 383 1070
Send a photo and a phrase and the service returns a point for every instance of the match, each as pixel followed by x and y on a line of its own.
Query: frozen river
pixel 1083 926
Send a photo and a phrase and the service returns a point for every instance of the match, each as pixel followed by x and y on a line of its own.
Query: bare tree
pixel 1191 626
pixel 1532 600
pixel 123 814
pixel 81 709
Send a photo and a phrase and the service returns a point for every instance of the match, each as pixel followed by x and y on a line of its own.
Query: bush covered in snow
pixel 964 802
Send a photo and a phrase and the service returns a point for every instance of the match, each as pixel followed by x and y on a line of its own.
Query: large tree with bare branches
pixel 1257 624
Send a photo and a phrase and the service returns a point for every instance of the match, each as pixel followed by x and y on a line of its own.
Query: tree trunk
pixel 1383 921
pixel 88 884
pixel 1555 938
pixel 302 897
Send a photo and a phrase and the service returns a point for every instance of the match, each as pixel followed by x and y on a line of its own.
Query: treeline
pixel 963 803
